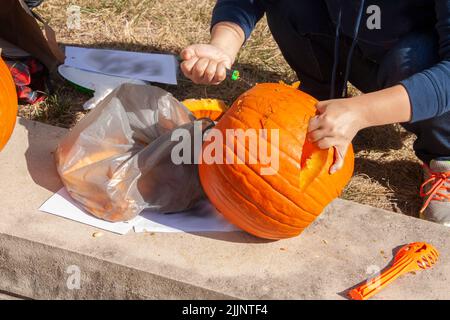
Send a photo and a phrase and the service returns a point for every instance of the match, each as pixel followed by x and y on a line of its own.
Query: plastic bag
pixel 116 161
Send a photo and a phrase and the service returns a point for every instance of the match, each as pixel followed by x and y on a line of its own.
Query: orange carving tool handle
pixel 412 257
pixel 376 284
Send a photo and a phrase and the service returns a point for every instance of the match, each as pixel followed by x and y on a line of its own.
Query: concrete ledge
pixel 5 296
pixel 332 255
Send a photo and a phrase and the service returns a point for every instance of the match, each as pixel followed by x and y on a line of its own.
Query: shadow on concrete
pixel 345 293
pixel 39 156
pixel 13 296
pixel 235 236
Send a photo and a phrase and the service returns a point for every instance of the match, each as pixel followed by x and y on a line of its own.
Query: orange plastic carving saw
pixel 415 256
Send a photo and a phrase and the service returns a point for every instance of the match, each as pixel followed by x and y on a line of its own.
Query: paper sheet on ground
pixel 151 67
pixel 62 204
pixel 203 218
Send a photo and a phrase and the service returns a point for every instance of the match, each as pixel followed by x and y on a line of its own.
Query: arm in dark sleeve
pixel 429 90
pixel 245 13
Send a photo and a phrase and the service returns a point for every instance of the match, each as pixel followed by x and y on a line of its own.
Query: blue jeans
pixel 305 34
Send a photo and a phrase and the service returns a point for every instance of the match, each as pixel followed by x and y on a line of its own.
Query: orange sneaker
pixel 436 193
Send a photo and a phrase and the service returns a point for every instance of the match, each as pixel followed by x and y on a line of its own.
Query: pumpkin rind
pixel 8 104
pixel 284 204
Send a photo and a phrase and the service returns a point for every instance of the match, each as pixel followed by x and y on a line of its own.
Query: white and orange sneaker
pixel 436 193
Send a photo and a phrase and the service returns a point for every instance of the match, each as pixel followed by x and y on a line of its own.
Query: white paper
pixel 62 204
pixel 161 68
pixel 203 218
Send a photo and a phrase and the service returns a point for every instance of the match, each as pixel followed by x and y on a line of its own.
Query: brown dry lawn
pixel 387 173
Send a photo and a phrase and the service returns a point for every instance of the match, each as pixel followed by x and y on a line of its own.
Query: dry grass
pixel 387 173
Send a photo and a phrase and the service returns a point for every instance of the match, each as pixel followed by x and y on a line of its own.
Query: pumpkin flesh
pixel 206 108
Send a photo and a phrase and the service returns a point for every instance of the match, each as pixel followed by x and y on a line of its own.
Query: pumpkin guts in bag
pixel 116 161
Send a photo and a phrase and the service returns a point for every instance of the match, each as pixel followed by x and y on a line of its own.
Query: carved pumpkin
pixel 206 108
pixel 8 104
pixel 282 204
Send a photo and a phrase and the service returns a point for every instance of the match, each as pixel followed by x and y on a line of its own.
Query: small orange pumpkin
pixel 8 104
pixel 283 204
pixel 206 108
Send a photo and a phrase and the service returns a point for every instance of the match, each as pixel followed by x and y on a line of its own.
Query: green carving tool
pixel 234 74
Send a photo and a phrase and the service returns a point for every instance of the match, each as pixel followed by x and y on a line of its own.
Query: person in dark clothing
pixel 33 3
pixel 396 52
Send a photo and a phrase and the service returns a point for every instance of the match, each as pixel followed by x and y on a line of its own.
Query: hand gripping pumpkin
pixel 283 203
pixel 8 104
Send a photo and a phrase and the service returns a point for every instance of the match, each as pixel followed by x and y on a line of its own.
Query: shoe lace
pixel 439 183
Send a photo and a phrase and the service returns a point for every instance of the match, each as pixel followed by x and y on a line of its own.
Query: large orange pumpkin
pixel 8 104
pixel 283 204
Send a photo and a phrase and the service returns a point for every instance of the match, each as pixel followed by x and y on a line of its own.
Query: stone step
pixel 8 296
pixel 41 255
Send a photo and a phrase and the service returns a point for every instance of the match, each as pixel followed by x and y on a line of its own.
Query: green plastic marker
pixel 234 74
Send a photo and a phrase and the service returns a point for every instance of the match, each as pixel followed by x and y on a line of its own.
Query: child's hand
pixel 336 125
pixel 339 120
pixel 205 63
